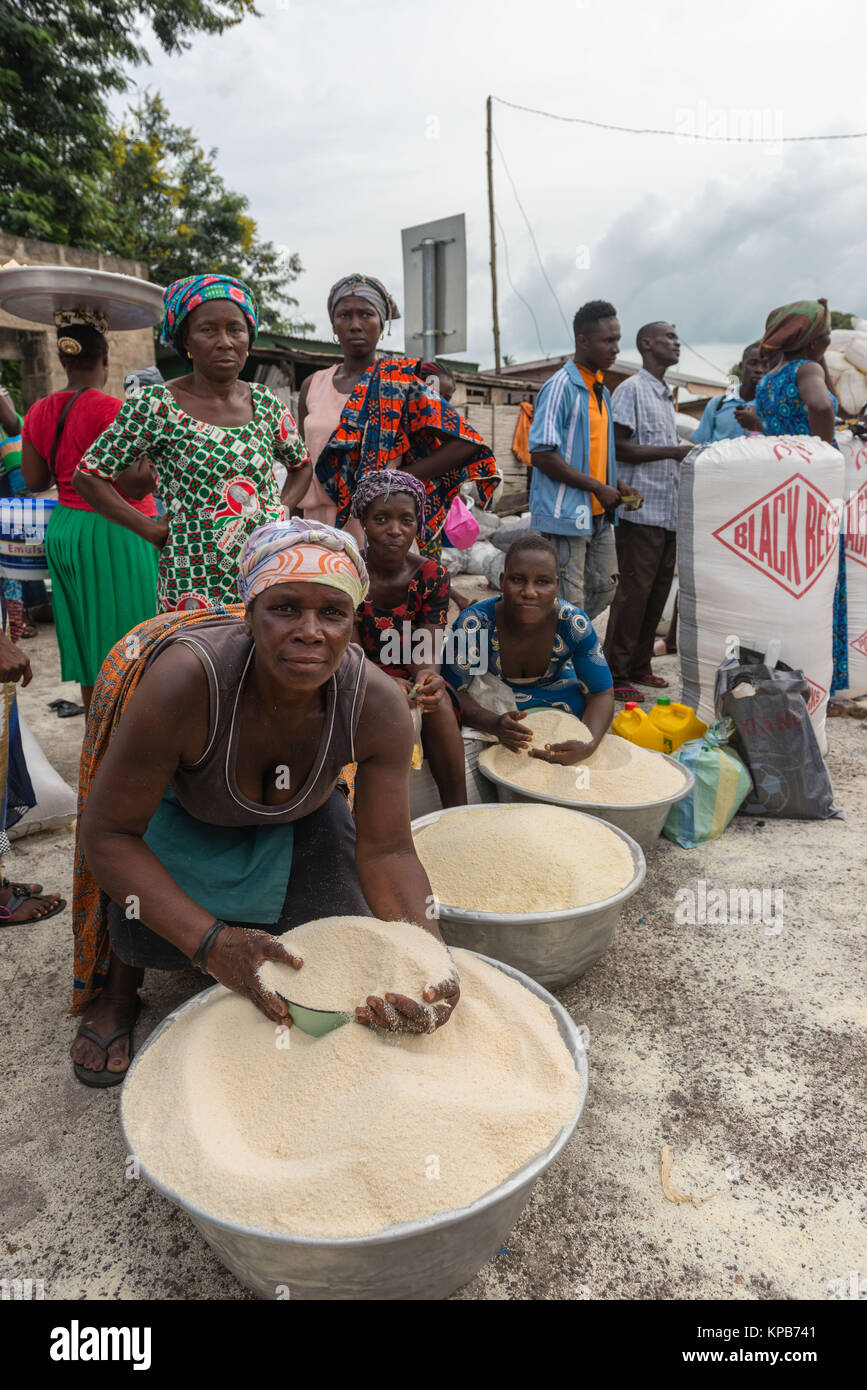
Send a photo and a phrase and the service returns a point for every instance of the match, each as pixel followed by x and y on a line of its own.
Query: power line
pixel 517 293
pixel 683 135
pixel 715 365
pixel 532 235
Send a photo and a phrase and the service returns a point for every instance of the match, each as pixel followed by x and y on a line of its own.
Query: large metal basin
pixel 643 822
pixel 414 1260
pixel 553 948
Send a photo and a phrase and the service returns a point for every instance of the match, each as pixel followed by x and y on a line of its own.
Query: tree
pixel 171 209
pixel 840 320
pixel 58 61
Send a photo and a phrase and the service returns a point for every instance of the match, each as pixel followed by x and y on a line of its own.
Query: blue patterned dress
pixel 576 646
pixel 781 410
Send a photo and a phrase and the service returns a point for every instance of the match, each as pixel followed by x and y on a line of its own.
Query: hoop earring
pixel 334 338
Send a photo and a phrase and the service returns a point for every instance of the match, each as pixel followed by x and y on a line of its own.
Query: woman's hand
pixel 430 692
pixel 234 961
pixel 158 532
pixel 510 732
pixel 566 754
pixel 14 665
pixel 748 419
pixel 398 1014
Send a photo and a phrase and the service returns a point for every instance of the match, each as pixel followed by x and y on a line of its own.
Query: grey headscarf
pixel 365 287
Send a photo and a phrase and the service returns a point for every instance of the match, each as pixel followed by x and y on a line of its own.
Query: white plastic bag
pixel 851 391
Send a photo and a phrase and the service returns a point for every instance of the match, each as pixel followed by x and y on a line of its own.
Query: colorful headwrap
pixel 93 318
pixel 299 551
pixel 383 484
pixel 794 326
pixel 365 287
pixel 183 296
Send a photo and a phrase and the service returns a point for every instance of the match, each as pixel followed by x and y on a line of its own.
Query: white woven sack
pixel 757 559
pixel 855 456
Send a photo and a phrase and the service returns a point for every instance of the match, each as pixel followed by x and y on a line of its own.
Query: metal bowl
pixel 413 1260
pixel 553 948
pixel 643 821
pixel 36 292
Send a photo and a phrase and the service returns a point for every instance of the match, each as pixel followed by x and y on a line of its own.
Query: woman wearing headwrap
pixel 401 623
pixel 793 398
pixel 103 576
pixel 372 413
pixel 208 801
pixel 213 439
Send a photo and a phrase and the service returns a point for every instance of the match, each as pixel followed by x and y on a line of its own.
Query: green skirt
pixel 103 582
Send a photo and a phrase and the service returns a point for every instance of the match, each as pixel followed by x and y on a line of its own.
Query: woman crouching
pixel 542 651
pixel 212 815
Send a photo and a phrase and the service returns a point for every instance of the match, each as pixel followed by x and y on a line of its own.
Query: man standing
pixel 649 452
pixel 722 416
pixel 574 492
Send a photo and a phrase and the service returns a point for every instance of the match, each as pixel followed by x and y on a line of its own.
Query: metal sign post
pixel 435 287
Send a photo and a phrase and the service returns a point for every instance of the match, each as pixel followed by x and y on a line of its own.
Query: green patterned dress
pixel 217 484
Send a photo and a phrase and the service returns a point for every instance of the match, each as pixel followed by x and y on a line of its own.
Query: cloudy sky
pixel 345 120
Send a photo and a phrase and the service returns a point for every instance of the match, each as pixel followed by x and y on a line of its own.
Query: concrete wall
pixel 34 343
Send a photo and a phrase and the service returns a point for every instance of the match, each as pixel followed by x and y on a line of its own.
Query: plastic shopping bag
pixel 721 783
pixel 775 737
pixel 461 526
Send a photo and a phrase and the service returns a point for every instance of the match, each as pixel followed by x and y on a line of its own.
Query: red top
pixel 426 605
pixel 92 413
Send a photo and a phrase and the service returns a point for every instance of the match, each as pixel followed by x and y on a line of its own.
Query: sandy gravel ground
pixel 742 1046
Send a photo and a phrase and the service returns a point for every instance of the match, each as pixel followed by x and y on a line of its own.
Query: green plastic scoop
pixel 317 1022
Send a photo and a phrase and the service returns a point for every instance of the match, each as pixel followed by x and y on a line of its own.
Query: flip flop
pixel 628 692
pixel 7 909
pixel 655 681
pixel 27 890
pixel 99 1080
pixel 65 709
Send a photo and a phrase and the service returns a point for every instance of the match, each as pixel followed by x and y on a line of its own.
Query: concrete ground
pixel 742 1046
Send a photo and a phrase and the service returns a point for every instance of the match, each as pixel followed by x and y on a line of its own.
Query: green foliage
pixel 59 59
pixel 172 209
pixel 10 375
pixel 839 320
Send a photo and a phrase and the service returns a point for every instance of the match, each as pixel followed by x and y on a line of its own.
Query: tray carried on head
pixel 38 292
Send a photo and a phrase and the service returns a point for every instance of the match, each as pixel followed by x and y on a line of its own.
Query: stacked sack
pixel 846 360
pixel 757 559
pixel 854 453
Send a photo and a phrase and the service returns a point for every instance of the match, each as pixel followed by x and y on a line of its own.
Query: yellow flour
pixel 346 1134
pixel 618 772
pixel 522 859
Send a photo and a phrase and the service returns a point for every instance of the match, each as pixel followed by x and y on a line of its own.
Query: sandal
pixel 65 709
pixel 27 890
pixel 7 909
pixel 656 682
pixel 628 692
pixel 99 1080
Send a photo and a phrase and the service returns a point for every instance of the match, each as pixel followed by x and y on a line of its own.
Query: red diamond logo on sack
pixel 790 534
pixel 860 644
pixel 856 526
pixel 817 695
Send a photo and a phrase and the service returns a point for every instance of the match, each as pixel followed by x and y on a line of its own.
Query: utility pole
pixel 496 313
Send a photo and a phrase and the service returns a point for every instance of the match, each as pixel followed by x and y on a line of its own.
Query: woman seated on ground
pixel 212 815
pixel 401 622
pixel 543 649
